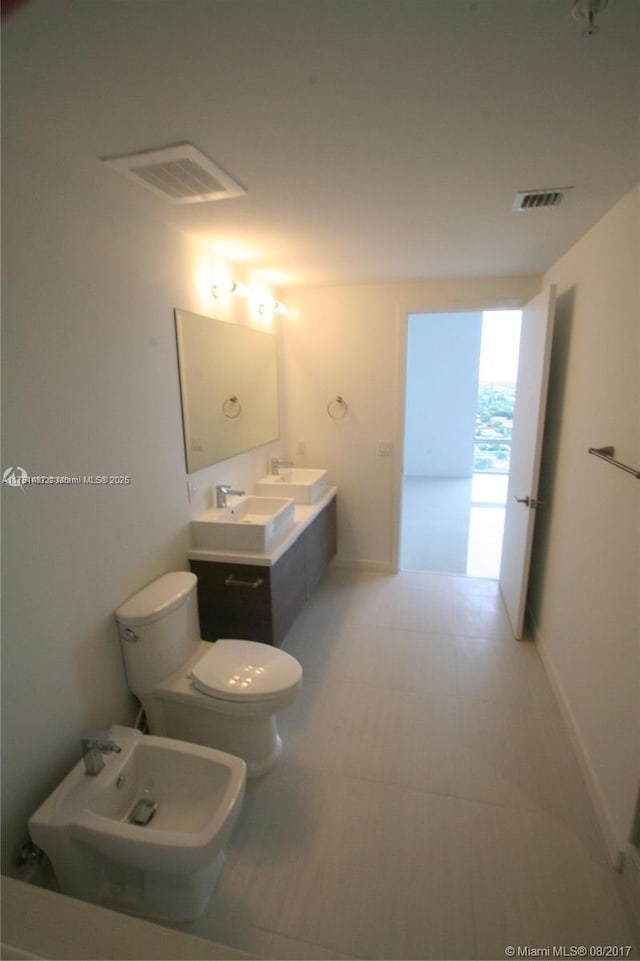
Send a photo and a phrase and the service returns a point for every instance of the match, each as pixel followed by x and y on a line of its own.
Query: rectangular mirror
pixel 229 388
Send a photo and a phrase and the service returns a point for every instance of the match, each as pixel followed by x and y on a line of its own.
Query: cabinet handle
pixel 232 581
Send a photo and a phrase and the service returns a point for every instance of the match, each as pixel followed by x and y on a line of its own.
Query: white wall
pixel 585 593
pixel 350 341
pixel 91 275
pixel 443 360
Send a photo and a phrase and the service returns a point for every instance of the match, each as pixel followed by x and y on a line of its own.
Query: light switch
pixel 385 448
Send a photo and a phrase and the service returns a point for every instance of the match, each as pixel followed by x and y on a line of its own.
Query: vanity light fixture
pixel 226 286
pixel 272 307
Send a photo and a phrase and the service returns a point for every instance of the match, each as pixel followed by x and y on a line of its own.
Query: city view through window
pixel 496 390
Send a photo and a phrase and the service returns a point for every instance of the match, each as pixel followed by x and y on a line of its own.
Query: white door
pixel 526 449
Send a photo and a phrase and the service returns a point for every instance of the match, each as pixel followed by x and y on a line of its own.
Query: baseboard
pixel 358 564
pixel 614 847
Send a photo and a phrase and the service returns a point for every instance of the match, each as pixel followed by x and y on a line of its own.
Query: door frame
pixel 402 325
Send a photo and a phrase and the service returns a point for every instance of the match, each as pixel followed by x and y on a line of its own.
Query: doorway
pixel 461 371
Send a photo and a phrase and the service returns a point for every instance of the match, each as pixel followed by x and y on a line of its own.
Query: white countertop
pixel 304 514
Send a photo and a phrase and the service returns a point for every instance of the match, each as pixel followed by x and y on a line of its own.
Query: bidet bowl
pixel 248 523
pixel 304 484
pixel 164 868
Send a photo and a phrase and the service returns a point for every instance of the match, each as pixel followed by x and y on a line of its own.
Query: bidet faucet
pixel 277 463
pixel 221 494
pixel 94 745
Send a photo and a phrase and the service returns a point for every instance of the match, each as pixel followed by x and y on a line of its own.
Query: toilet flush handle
pixel 129 634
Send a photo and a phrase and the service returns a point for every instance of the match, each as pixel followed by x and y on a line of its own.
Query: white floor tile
pixel 419 661
pixel 475 585
pixel 453 525
pixel 510 673
pixel 389 879
pixel 534 884
pixel 427 803
pixel 481 615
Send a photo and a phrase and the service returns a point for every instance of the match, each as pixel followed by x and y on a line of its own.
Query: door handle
pixel 528 501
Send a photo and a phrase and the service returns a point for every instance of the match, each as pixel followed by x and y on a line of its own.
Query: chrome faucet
pixel 277 463
pixel 94 745
pixel 221 494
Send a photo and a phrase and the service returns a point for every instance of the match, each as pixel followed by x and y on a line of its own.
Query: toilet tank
pixel 159 630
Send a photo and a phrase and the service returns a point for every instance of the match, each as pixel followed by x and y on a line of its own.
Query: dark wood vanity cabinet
pixel 261 603
pixel 319 546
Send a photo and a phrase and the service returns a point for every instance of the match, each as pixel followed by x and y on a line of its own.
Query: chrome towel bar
pixel 607 453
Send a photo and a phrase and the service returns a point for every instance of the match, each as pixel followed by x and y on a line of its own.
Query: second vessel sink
pixel 304 484
pixel 245 524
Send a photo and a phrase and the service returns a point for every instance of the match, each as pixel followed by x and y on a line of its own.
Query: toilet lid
pixel 245 670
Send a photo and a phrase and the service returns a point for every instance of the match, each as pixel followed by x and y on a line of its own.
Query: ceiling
pixel 379 140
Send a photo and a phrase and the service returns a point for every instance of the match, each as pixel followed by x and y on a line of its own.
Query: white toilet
pixel 223 694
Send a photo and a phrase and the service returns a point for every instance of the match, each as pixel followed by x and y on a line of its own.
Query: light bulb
pixel 226 286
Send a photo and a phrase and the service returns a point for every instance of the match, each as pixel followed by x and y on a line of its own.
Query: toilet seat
pixel 238 670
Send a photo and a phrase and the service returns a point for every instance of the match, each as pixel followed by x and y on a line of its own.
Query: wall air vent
pixel 180 174
pixel 538 199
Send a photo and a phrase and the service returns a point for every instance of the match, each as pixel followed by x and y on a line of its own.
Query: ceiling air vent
pixel 537 199
pixel 180 174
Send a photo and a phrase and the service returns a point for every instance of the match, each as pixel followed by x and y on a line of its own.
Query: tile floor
pixel 453 525
pixel 427 803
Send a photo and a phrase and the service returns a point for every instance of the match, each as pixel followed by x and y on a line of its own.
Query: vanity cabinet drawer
pixel 234 600
pixel 261 603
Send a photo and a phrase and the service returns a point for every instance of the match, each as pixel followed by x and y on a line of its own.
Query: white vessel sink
pixel 246 524
pixel 305 485
pixel 100 854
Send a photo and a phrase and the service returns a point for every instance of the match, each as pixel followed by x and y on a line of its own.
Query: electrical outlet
pixel 301 447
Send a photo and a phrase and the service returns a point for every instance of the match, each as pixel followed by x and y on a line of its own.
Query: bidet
pixel 146 833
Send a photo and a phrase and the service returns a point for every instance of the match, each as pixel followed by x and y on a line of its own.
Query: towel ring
pixel 337 408
pixel 230 405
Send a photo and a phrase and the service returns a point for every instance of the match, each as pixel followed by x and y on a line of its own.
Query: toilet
pixel 224 694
